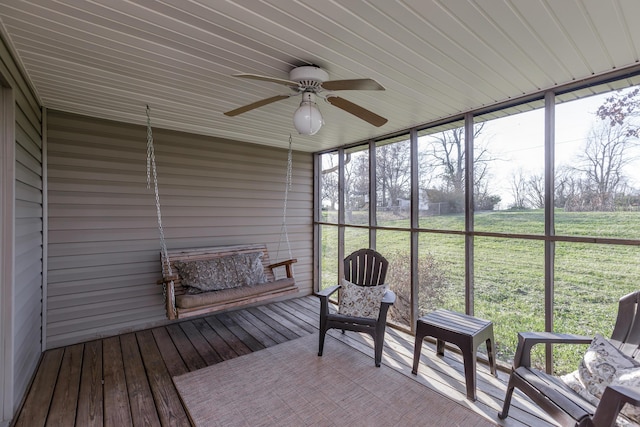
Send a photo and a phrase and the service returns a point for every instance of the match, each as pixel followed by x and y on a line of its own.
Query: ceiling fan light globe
pixel 307 119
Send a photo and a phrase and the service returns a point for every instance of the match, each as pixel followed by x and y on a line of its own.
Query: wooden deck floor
pixel 126 380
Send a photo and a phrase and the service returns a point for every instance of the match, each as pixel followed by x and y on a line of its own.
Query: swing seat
pixel 229 264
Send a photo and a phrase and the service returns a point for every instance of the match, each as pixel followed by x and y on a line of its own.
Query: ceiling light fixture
pixel 307 119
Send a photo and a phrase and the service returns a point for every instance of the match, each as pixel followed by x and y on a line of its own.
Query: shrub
pixel 432 285
pixel 486 203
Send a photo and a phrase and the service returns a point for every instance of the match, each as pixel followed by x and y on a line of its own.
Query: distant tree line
pixel 442 175
pixel 596 181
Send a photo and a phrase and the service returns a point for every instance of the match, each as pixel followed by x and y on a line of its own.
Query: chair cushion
pixel 233 294
pixel 222 273
pixel 361 301
pixel 603 365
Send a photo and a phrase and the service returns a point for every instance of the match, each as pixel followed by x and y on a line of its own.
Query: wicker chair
pixel 364 267
pixel 557 399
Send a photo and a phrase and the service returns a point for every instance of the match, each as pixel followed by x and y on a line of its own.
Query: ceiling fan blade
pixel 268 79
pixel 356 110
pixel 354 84
pixel 256 104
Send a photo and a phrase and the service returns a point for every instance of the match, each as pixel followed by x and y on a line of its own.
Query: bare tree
pixel 519 188
pixel 528 191
pixel 535 190
pixel 329 180
pixel 444 158
pixel 356 180
pixel 393 174
pixel 600 177
pixel 356 183
pixel 426 170
pixel 607 152
pixel 566 185
pixel 448 152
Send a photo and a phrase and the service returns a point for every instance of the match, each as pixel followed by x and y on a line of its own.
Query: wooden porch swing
pixel 198 281
pixel 181 303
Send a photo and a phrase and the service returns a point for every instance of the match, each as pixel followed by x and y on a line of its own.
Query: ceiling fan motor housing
pixel 309 76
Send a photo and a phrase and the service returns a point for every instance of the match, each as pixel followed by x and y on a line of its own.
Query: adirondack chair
pixel 563 404
pixel 366 268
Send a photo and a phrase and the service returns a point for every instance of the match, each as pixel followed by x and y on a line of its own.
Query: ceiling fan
pixel 311 82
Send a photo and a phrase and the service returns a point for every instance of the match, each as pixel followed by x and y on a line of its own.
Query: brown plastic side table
pixel 467 332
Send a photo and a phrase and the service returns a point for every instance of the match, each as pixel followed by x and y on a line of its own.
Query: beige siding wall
pixel 25 321
pixel 104 243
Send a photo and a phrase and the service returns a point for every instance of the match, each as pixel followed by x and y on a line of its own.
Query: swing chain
pixel 152 171
pixel 288 179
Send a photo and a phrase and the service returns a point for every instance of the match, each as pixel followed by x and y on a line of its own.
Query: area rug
pixel 289 385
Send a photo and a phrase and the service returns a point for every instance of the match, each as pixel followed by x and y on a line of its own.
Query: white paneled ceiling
pixel 436 58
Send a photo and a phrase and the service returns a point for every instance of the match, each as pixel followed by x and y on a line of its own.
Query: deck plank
pixel 294 326
pixel 143 408
pixel 261 313
pixel 170 354
pixel 263 333
pixel 309 304
pixel 90 398
pixel 238 346
pixel 308 318
pixel 215 340
pixel 36 406
pixel 65 396
pixel 202 346
pixel 117 411
pixel 170 409
pixel 189 354
pixel 242 335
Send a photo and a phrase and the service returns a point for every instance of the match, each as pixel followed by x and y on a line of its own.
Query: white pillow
pixel 573 381
pixel 361 301
pixel 629 377
pixel 603 365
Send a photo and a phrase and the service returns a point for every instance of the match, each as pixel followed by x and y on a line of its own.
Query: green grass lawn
pixel 509 273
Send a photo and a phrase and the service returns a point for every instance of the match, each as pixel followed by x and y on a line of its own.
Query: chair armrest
pixel 389 297
pixel 167 279
pixel 286 264
pixel 326 293
pixel 612 401
pixel 526 341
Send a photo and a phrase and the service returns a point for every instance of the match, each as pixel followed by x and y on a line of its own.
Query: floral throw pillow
pixel 222 273
pixel 573 381
pixel 603 365
pixel 249 268
pixel 629 377
pixel 361 301
pixel 207 275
